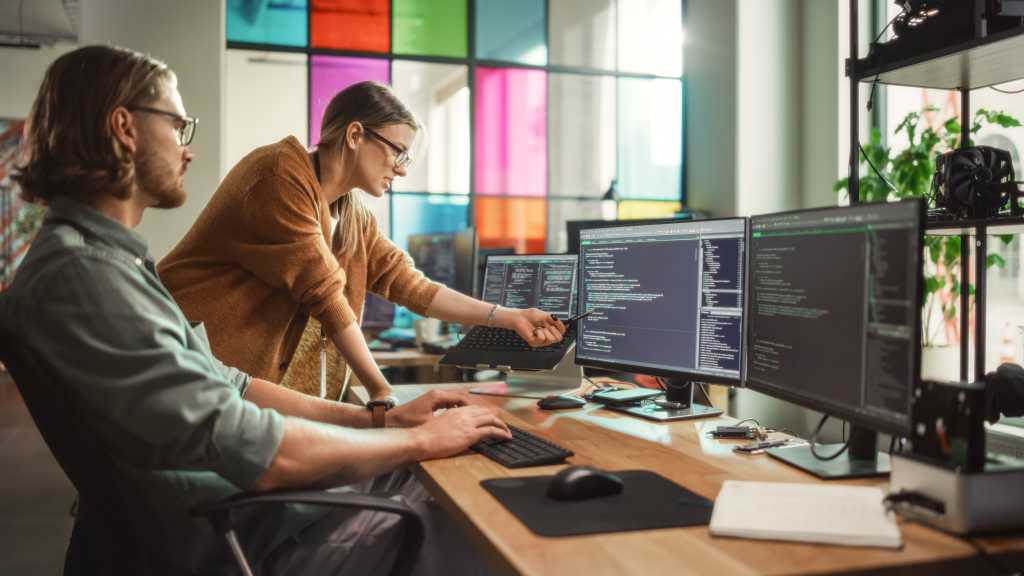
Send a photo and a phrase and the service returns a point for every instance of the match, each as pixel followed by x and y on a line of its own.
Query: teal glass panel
pixel 511 31
pixel 430 27
pixel 424 214
pixel 280 22
pixel 650 139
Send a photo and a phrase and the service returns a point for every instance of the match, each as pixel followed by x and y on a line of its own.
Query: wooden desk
pixel 681 452
pixel 425 365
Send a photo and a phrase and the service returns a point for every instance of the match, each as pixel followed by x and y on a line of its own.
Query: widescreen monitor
pixel 667 299
pixel 834 322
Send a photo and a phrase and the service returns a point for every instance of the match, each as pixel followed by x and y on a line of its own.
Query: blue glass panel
pixel 280 22
pixel 423 214
pixel 511 31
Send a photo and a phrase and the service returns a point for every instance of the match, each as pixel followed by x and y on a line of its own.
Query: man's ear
pixel 122 126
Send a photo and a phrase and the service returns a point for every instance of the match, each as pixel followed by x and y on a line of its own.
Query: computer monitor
pixel 545 281
pixel 481 261
pixel 378 313
pixel 834 322
pixel 573 227
pixel 667 301
pixel 447 257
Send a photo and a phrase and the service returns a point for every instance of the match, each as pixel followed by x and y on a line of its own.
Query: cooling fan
pixel 975 182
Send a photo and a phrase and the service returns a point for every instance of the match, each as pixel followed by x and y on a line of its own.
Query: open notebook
pixel 830 514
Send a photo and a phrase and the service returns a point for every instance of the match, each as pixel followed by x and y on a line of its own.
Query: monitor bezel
pixel 690 375
pixel 614 224
pixel 487 259
pixel 837 410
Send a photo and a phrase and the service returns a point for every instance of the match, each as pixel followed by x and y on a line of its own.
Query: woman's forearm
pixel 452 306
pixel 352 346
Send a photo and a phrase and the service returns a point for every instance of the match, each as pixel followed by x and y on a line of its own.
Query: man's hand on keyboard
pixel 459 428
pixel 535 326
pixel 422 409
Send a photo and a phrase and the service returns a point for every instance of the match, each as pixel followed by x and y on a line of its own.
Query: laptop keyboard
pixel 500 339
pixel 524 449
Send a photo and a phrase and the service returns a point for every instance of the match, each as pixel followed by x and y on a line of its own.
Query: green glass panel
pixel 430 27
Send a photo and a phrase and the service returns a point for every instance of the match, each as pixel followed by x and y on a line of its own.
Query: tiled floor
pixel 35 496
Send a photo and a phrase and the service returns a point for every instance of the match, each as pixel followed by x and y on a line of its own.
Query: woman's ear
pixel 124 130
pixel 353 135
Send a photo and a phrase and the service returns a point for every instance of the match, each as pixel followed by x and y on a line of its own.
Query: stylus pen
pixel 579 316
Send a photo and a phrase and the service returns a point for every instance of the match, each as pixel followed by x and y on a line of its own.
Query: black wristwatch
pixel 378 409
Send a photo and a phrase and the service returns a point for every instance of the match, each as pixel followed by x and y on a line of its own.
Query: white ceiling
pixel 39 21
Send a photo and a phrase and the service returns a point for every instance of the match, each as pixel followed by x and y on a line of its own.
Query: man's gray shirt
pixel 88 299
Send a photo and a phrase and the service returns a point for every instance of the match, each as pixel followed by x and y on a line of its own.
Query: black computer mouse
pixel 560 402
pixel 582 483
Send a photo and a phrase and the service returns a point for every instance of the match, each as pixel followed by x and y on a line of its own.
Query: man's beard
pixel 159 181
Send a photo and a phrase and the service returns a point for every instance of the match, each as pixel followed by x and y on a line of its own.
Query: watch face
pixel 387 403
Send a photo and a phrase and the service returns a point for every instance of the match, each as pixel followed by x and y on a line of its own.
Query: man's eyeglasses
pixel 402 158
pixel 185 126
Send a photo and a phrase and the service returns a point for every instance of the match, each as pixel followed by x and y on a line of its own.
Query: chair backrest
pixel 105 538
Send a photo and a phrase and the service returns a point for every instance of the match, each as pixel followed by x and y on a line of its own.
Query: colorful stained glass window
pixel 430 27
pixel 438 95
pixel 511 31
pixel 581 134
pixel 422 214
pixel 511 132
pixel 582 33
pixel 280 22
pixel 650 138
pixel 332 74
pixel 635 209
pixel 361 25
pixel 518 222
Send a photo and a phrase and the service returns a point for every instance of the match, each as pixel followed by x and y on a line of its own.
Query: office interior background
pixel 533 110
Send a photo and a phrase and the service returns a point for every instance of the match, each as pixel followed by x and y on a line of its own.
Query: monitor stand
pixel 565 377
pixel 861 460
pixel 680 391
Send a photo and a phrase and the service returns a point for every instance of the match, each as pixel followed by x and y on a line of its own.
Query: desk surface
pixel 678 451
pixel 407 357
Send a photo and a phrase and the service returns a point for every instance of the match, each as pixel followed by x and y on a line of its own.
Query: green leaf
pixel 995 260
pixel 1006 238
pixel 952 126
pixel 933 284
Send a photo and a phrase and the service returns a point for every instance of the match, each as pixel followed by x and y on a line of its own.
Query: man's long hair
pixel 70 145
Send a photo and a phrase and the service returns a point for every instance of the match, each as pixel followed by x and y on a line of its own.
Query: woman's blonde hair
pixel 373 105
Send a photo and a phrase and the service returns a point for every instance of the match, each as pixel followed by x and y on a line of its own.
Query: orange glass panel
pixel 518 222
pixel 350 25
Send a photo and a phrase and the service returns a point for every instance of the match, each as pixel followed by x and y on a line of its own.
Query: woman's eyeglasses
pixel 402 158
pixel 185 126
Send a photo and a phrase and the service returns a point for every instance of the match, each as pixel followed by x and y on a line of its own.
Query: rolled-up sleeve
pixel 158 398
pixel 391 273
pixel 290 251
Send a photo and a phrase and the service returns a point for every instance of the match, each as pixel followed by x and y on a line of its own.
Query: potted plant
pixel 909 172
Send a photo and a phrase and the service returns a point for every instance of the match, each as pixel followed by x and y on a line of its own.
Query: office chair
pixel 110 517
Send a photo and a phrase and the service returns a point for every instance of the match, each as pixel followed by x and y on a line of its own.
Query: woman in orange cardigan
pixel 280 259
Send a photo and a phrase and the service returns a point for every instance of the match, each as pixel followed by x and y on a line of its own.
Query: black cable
pixel 1002 91
pixel 892 445
pixel 814 440
pixel 754 420
pixel 872 164
pixel 874 83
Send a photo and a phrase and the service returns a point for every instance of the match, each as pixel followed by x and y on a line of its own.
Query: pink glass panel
pixel 511 132
pixel 332 74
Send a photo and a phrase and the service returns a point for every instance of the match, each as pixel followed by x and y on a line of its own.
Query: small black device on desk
pixel 560 402
pixel 524 449
pixel 621 397
pixel 582 483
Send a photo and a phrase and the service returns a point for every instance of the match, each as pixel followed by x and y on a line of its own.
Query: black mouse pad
pixel 648 501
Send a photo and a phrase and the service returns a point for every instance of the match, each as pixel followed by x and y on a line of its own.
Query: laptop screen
pixel 545 281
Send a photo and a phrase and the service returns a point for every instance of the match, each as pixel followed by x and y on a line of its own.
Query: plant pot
pixel 940 363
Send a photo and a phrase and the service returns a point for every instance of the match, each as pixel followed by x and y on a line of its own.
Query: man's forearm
pixel 291 403
pixel 313 454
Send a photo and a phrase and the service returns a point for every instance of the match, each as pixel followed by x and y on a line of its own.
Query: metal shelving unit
pixel 977 63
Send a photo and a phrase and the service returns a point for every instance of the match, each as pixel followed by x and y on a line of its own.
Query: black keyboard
pixel 500 339
pixel 524 449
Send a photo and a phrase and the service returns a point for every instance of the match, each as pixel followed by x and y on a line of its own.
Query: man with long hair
pixel 108 139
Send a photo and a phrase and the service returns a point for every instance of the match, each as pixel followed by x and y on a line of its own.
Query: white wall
pixel 189 36
pixel 22 70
